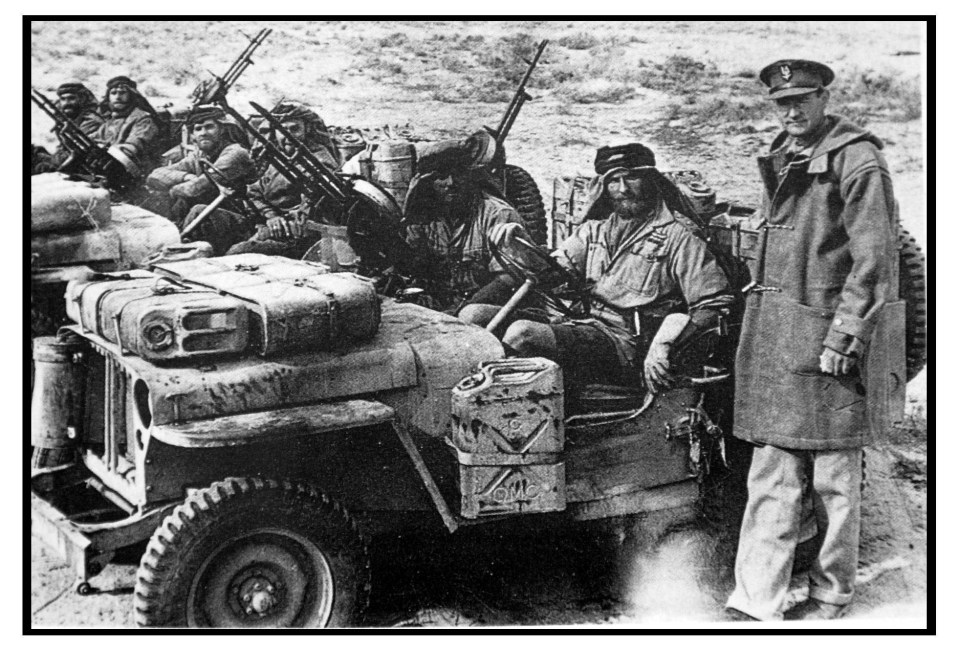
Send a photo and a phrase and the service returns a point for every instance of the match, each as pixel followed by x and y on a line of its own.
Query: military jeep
pixel 259 421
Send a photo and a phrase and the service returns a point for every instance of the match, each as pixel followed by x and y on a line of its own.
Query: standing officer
pixel 826 267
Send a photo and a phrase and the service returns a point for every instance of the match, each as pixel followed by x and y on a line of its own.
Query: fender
pixel 261 426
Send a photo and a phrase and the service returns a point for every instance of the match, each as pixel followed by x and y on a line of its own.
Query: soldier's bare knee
pixel 527 337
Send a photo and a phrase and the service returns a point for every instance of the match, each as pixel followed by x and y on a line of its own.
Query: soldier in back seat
pixel 185 182
pixel 130 126
pixel 80 105
pixel 285 225
pixel 654 281
pixel 451 208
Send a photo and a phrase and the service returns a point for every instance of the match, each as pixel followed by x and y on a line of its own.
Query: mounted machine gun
pixel 371 216
pixel 87 157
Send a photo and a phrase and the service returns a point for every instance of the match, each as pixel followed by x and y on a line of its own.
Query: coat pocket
pixel 789 335
pixel 806 328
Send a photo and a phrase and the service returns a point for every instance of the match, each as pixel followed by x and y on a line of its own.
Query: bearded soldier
pixel 452 208
pixel 80 105
pixel 188 183
pixel 825 269
pixel 654 281
pixel 129 128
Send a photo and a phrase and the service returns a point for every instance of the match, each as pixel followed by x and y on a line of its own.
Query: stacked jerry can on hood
pixel 229 305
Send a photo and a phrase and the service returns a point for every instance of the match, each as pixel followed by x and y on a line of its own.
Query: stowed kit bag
pixel 157 319
pixel 59 204
pixel 295 305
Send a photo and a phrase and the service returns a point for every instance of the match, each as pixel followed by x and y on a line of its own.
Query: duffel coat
pixel 827 265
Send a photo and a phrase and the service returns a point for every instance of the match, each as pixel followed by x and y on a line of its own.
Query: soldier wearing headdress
pixel 130 127
pixel 279 223
pixel 80 105
pixel 451 209
pixel 646 266
pixel 218 155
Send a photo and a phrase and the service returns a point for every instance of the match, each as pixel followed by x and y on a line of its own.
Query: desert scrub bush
pixel 722 110
pixel 469 41
pixel 601 91
pixel 876 94
pixel 505 54
pixel 684 123
pixel 578 41
pixel 454 62
pixel 491 91
pixel 396 39
pixel 378 67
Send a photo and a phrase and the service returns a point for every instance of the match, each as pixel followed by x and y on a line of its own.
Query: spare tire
pixel 912 289
pixel 522 193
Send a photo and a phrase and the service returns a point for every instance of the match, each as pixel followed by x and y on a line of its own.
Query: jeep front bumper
pixel 84 537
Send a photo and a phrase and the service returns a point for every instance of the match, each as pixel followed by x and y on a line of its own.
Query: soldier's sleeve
pixel 90 122
pixel 501 214
pixel 700 278
pixel 234 164
pixel 165 178
pixel 257 194
pixel 143 135
pixel 572 252
pixel 869 219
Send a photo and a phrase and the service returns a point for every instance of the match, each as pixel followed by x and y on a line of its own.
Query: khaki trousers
pixel 772 527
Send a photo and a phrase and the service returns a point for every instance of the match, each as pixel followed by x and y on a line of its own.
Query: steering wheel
pixel 209 170
pixel 560 288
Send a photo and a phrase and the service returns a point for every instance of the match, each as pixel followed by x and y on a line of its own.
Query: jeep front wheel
pixel 254 553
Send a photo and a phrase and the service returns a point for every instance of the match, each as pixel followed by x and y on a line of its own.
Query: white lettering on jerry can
pixel 520 490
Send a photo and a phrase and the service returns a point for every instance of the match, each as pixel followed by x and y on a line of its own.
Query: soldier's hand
pixel 656 371
pixel 503 233
pixel 835 363
pixel 279 229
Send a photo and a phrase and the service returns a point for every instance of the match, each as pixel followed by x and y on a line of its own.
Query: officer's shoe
pixel 813 609
pixel 733 615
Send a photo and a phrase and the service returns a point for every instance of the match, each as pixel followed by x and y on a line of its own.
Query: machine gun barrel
pixel 86 154
pixel 332 185
pixel 244 60
pixel 72 136
pixel 519 98
pixel 216 92
pixel 270 152
pixel 373 218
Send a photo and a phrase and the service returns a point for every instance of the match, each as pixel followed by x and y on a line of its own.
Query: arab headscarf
pixel 88 101
pixel 632 157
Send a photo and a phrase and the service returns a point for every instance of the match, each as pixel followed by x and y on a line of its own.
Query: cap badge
pixel 785 72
